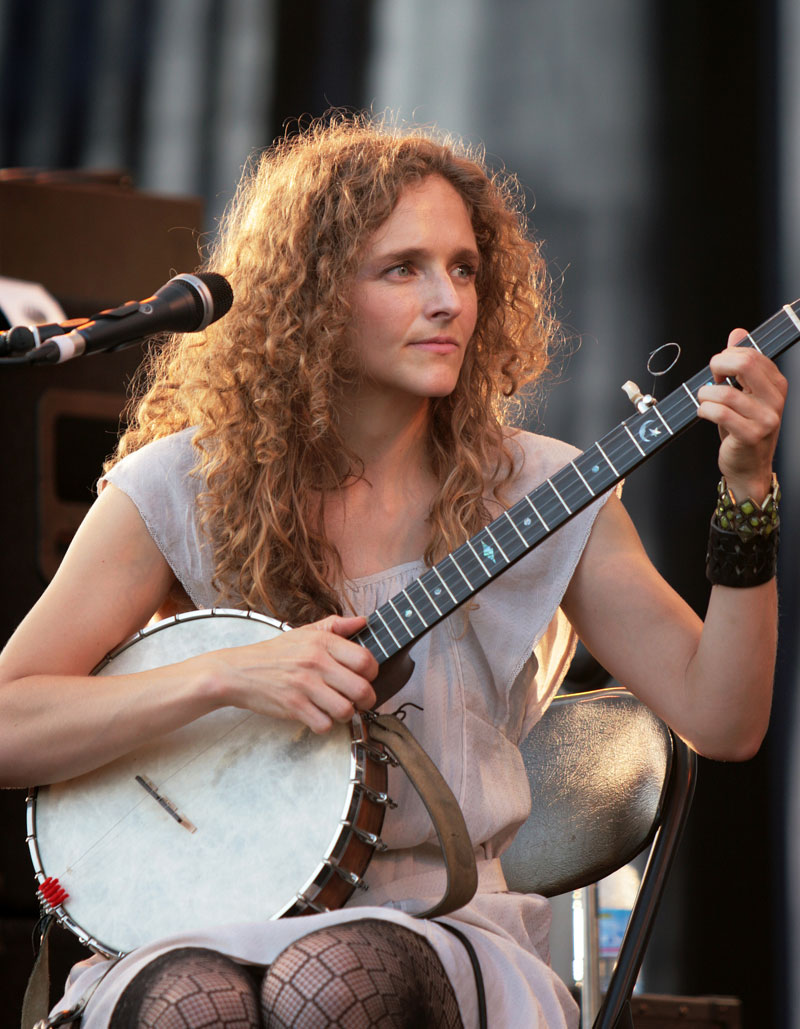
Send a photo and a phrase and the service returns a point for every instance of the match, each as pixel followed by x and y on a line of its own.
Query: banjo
pixel 269 818
pixel 200 827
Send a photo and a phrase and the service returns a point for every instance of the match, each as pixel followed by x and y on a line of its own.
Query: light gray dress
pixel 484 679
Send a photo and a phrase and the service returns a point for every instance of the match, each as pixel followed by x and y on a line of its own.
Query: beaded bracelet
pixel 747 519
pixel 743 539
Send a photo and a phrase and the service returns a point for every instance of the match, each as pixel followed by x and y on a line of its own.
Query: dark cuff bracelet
pixel 732 561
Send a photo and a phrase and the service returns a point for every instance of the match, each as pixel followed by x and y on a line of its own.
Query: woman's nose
pixel 442 300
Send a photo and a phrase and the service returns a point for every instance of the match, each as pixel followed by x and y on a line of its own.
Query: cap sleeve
pixel 161 481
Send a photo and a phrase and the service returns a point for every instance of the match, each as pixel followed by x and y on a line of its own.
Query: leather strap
pixel 36 1002
pixel 441 805
pixel 476 971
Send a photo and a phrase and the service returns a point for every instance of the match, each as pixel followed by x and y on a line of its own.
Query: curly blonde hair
pixel 262 385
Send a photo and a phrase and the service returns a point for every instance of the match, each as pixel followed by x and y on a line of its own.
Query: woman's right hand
pixel 312 674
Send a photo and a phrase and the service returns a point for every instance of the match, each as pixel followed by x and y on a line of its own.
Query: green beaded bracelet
pixel 748 518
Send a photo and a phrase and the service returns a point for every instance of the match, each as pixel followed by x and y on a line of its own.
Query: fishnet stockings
pixel 359 974
pixel 189 988
pixel 355 975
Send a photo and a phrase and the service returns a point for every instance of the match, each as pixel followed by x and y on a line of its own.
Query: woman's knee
pixel 358 974
pixel 185 988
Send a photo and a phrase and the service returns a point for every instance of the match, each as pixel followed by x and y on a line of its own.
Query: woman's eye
pixel 465 271
pixel 400 271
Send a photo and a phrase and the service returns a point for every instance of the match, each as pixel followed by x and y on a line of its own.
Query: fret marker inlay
pixel 478 557
pixel 416 609
pixel 486 547
pixel 437 591
pixel 535 511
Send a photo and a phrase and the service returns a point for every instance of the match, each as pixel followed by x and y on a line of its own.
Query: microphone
pixel 187 303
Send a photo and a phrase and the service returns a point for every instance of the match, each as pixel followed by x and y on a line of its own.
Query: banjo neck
pixel 408 615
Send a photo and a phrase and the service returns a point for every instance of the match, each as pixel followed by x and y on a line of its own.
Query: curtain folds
pixel 176 92
pixel 562 95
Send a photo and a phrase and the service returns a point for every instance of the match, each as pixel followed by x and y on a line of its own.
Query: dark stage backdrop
pixel 646 134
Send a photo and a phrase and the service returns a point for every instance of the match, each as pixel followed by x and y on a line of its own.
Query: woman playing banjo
pixel 344 427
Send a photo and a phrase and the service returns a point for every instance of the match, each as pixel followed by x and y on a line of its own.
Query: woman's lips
pixel 437 345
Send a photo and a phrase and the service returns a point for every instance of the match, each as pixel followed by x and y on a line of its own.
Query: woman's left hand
pixel 748 418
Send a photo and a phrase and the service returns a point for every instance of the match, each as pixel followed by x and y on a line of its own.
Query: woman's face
pixel 414 302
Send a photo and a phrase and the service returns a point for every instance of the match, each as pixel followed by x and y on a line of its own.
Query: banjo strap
pixel 441 805
pixel 36 1002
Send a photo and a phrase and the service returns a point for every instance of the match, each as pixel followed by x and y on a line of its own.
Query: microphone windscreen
pixel 221 293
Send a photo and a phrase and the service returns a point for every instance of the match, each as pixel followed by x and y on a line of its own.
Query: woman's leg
pixel 358 974
pixel 189 988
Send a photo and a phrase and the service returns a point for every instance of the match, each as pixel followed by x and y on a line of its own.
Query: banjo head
pixel 235 817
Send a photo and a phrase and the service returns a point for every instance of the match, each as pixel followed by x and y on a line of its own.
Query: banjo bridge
pixel 150 787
